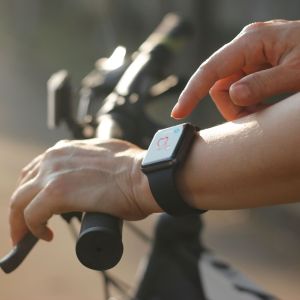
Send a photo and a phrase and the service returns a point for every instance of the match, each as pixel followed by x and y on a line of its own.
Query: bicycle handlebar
pixel 15 257
pixel 99 246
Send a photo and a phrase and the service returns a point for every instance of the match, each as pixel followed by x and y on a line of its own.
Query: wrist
pixel 167 152
pixel 185 176
pixel 141 189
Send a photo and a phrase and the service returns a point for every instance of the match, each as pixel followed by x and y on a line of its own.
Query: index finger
pixel 227 60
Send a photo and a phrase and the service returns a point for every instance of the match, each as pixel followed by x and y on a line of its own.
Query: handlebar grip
pixel 15 257
pixel 99 246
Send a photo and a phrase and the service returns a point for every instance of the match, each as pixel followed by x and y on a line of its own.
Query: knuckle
pixel 54 152
pixel 62 142
pixel 23 172
pixel 250 33
pixel 208 69
pixel 254 26
pixel 56 166
pixel 51 198
pixel 207 66
pixel 257 85
pixel 56 188
pixel 245 36
pixel 14 205
pixel 212 93
pixel 33 223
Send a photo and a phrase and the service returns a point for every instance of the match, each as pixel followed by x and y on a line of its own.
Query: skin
pixel 82 176
pixel 262 61
pixel 252 160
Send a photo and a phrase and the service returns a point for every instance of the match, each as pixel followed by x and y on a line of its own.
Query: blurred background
pixel 38 38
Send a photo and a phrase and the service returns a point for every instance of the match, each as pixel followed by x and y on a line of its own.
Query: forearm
pixel 253 161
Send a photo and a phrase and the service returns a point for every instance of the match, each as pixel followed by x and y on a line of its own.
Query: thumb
pixel 261 85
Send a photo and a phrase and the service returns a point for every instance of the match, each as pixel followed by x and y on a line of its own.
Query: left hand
pixel 262 61
pixel 86 176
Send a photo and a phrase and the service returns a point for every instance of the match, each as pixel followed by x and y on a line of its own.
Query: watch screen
pixel 163 145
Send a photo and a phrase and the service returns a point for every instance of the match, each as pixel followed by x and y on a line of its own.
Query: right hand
pixel 262 61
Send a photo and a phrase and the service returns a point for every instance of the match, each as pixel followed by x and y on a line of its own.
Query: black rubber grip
pixel 99 246
pixel 15 257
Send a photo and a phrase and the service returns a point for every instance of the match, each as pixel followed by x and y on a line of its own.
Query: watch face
pixel 163 145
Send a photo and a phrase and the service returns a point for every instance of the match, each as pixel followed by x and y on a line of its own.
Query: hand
pixel 262 61
pixel 87 176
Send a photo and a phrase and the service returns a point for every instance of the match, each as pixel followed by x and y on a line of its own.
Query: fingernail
pixel 46 235
pixel 240 91
pixel 49 235
pixel 174 113
pixel 174 110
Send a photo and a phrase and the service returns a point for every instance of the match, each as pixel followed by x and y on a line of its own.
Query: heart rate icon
pixel 163 143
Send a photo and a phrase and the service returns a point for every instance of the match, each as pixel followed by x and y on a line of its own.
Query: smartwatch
pixel 167 151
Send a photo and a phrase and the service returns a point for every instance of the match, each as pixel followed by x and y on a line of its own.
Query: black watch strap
pixel 166 194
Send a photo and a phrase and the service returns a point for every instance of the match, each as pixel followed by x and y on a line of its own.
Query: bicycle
pixel 118 89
